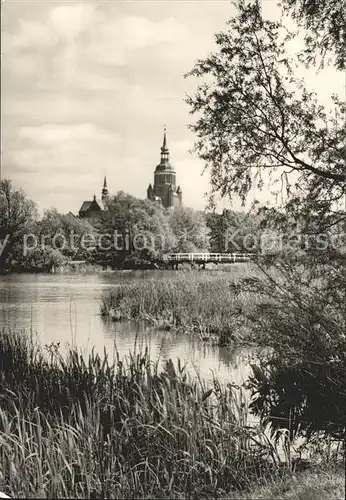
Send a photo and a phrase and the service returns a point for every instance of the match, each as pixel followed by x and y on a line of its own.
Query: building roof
pixel 87 205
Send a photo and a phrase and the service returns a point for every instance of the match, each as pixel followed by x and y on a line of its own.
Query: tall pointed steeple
pixel 164 189
pixel 164 145
pixel 164 148
pixel 104 190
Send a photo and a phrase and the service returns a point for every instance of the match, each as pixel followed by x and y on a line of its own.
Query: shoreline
pixel 85 427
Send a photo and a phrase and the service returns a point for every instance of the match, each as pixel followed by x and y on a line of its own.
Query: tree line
pixel 130 233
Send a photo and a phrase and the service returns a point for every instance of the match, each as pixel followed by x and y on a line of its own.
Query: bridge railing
pixel 211 257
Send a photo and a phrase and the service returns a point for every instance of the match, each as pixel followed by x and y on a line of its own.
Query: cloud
pixel 53 150
pixel 48 135
pixel 76 43
pixel 69 21
pixel 83 29
pixel 63 23
pixel 183 147
pixel 115 41
pixel 32 35
pixel 87 88
pixel 135 32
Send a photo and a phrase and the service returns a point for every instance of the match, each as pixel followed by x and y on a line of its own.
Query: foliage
pixel 228 231
pixel 256 120
pixel 205 304
pixel 86 428
pixel 42 260
pixel 315 482
pixel 76 234
pixel 18 216
pixel 190 230
pixel 301 385
pixel 325 25
pixel 135 227
pixel 131 234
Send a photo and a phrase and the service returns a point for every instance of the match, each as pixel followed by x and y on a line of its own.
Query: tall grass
pixel 75 428
pixel 205 303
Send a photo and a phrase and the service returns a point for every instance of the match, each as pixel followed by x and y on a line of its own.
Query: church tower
pixel 164 189
pixel 105 193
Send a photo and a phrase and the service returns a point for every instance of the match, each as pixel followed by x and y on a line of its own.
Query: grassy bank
pixel 203 302
pixel 79 428
pixel 321 483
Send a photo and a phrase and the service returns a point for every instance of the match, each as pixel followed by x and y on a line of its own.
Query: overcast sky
pixel 87 88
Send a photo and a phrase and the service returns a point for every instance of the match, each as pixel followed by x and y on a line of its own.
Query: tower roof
pixel 164 148
pixel 164 163
pixel 104 189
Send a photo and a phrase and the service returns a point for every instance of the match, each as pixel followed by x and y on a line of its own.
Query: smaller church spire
pixel 104 190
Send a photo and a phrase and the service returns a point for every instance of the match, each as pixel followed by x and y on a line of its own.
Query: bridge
pixel 204 258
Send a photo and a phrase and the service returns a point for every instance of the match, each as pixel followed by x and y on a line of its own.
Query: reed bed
pixel 88 428
pixel 203 302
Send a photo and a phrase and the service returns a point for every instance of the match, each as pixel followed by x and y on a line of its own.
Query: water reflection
pixel 66 309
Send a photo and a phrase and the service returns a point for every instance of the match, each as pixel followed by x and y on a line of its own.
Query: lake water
pixel 66 309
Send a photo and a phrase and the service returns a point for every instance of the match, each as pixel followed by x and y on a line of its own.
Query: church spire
pixel 164 188
pixel 164 145
pixel 105 189
pixel 164 148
